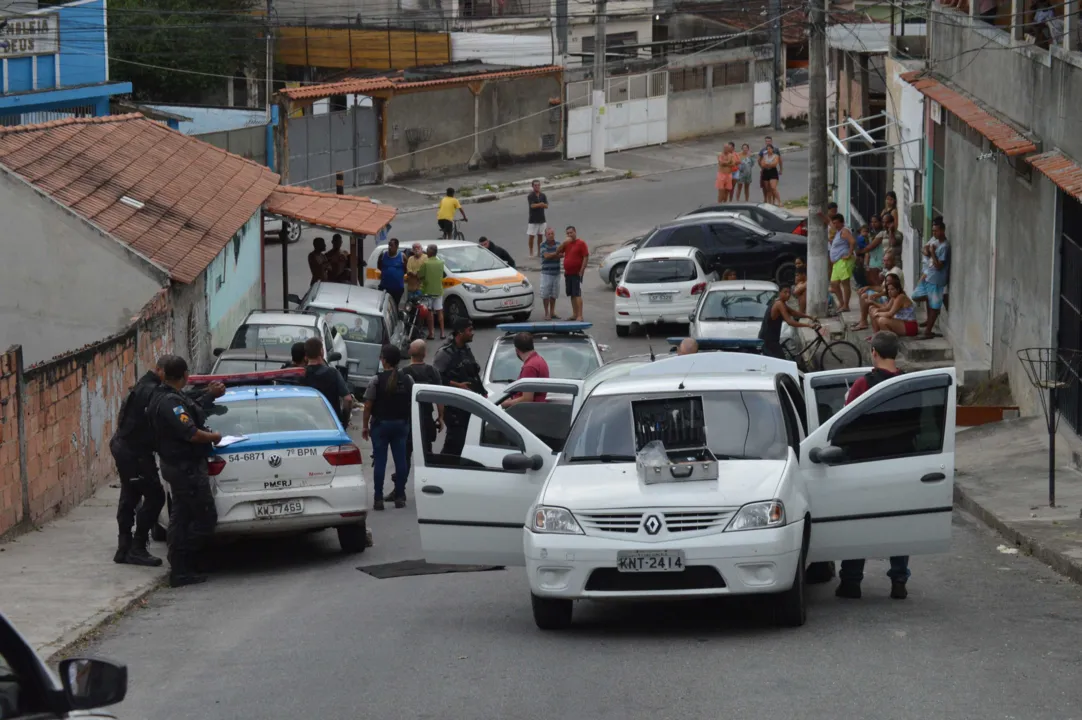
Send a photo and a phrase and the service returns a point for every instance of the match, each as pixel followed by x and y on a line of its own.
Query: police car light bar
pixel 294 374
pixel 545 327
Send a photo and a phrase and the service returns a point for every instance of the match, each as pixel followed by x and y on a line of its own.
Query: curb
pixel 1058 561
pixel 54 650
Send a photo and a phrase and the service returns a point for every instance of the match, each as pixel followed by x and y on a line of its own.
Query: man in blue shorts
pixel 935 274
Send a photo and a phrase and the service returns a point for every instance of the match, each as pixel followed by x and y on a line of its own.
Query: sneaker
pixel 848 589
pixel 898 591
pixel 378 504
pixel 186 579
pixel 400 502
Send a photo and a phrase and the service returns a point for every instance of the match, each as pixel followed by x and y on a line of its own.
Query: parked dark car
pixel 29 689
pixel 766 215
pixel 735 243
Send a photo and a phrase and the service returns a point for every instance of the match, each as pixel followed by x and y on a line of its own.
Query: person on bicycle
pixel 445 216
pixel 779 312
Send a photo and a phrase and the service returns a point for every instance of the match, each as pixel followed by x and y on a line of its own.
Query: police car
pixel 565 346
pixel 295 469
pixel 762 471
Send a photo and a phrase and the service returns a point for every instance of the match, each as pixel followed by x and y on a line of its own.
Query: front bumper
pixel 493 304
pixel 343 502
pixel 748 562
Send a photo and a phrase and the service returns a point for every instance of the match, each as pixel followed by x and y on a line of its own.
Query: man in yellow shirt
pixel 445 216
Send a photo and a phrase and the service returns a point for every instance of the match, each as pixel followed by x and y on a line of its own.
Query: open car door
pixel 880 472
pixel 550 421
pixel 825 392
pixel 472 511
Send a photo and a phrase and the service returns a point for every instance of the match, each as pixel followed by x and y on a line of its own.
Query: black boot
pixel 898 591
pixel 138 555
pixel 848 589
pixel 123 546
pixel 181 579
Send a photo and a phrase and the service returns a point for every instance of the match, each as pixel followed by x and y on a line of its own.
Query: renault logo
pixel 652 525
pixel 275 460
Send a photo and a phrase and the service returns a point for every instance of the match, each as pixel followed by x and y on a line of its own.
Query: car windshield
pixel 740 425
pixel 272 338
pixel 357 327
pixel 660 270
pixel 269 415
pixel 571 358
pixel 736 305
pixel 470 258
pixel 235 366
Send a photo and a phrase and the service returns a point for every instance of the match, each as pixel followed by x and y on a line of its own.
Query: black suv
pixel 730 242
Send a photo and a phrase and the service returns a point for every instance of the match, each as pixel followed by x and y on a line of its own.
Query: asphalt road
pixel 290 628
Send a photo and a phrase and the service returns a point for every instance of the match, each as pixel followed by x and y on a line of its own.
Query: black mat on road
pixel 409 568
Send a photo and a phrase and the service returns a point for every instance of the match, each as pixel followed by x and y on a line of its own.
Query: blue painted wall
pixel 233 282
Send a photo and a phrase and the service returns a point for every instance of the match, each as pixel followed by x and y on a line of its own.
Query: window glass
pixel 740 425
pixel 660 270
pixel 910 424
pixel 548 421
pixel 355 327
pixel 293 414
pixel 469 258
pixel 733 234
pixel 572 358
pixel 274 338
pixel 736 305
pixel 830 399
pixel 461 413
pixel 684 236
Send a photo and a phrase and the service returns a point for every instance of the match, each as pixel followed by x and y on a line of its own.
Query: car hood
pixel 492 278
pixel 616 486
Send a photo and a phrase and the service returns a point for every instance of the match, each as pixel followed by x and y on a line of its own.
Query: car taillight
pixel 623 292
pixel 802 228
pixel 342 455
pixel 215 465
pixel 698 288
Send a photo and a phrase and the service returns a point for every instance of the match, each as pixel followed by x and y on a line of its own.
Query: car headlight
pixel 525 283
pixel 758 515
pixel 474 288
pixel 554 520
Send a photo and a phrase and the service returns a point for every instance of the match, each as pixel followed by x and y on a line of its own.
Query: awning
pixel 338 212
pixel 1003 136
pixel 1061 170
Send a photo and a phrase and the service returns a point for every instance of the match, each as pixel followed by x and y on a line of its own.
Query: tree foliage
pixel 178 51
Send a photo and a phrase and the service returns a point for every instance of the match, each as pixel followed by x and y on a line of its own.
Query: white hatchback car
pixel 734 310
pixel 660 285
pixel 793 477
pixel 275 332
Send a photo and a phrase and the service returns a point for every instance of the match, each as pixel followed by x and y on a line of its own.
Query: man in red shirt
pixel 884 351
pixel 533 366
pixel 575 254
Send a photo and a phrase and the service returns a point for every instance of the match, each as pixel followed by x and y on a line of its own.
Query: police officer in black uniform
pixel 132 446
pixel 458 367
pixel 184 444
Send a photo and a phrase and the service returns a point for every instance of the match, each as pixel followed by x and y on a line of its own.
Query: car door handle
pixel 432 490
pixel 933 477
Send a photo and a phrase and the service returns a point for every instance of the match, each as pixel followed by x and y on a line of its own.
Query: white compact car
pixel 793 477
pixel 274 333
pixel 476 283
pixel 297 469
pixel 569 351
pixel 660 285
pixel 734 310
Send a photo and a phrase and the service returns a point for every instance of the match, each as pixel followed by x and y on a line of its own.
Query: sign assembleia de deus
pixel 26 35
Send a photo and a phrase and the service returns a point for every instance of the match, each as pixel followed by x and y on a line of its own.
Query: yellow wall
pixel 371 49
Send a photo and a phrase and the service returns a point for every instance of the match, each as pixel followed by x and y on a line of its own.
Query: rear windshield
pixel 233 367
pixel 356 327
pixel 662 270
pixel 736 305
pixel 267 415
pixel 274 338
pixel 570 358
pixel 740 425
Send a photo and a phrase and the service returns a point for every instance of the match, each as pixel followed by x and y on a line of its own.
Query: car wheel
pixel 623 330
pixel 522 317
pixel 617 274
pixel 791 606
pixel 819 573
pixel 293 231
pixel 785 274
pixel 454 309
pixel 353 538
pixel 552 613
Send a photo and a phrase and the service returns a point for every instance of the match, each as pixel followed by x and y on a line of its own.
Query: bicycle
pixel 821 354
pixel 456 234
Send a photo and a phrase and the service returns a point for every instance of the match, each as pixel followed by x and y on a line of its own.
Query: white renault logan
pixel 766 472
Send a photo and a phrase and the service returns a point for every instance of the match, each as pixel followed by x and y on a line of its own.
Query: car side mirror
pixel 334 357
pixel 218 351
pixel 295 299
pixel 520 462
pixel 830 455
pixel 90 683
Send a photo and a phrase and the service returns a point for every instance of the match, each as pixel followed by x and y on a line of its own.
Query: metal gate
pixel 763 94
pixel 322 145
pixel 1069 337
pixel 636 113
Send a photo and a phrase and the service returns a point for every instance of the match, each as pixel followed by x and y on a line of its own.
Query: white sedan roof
pixel 706 382
pixel 282 318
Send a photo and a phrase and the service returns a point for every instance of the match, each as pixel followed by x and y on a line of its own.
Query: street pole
pixel 597 136
pixel 775 12
pixel 817 173
pixel 270 59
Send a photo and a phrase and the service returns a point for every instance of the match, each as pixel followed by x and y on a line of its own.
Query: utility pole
pixel 597 136
pixel 775 12
pixel 270 60
pixel 817 172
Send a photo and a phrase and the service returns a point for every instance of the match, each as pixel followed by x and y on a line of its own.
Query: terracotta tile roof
pixel 398 81
pixel 1003 136
pixel 338 212
pixel 1061 170
pixel 195 196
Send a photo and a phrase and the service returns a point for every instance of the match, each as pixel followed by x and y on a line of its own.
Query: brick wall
pixel 69 411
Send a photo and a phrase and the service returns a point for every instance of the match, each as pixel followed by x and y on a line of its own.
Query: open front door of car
pixel 471 508
pixel 824 392
pixel 880 473
pixel 550 421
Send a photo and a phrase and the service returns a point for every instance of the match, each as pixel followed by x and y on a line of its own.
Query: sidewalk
pixel 486 185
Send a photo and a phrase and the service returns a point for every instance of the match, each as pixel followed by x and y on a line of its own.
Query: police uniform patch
pixel 184 418
pixel 178 410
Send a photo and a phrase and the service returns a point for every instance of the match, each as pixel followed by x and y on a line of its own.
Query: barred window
pixel 734 73
pixel 684 79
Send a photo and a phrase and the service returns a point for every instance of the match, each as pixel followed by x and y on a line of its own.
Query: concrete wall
pixel 65 283
pixel 907 105
pixel 191 330
pixel 232 283
pixel 448 115
pixel 695 113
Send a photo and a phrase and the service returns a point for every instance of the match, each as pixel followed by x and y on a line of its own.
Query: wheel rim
pixel 840 355
pixel 294 232
pixel 456 309
pixel 618 273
